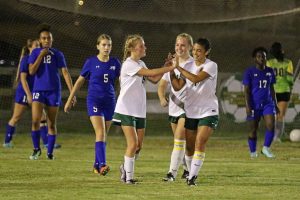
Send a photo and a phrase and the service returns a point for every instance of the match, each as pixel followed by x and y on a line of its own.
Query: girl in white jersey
pixel 201 104
pixel 130 111
pixel 183 46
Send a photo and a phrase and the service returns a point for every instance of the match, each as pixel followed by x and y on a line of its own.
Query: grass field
pixel 227 173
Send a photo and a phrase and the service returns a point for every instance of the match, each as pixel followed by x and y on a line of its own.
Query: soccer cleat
pixel 253 155
pixel 8 145
pixel 96 170
pixel 131 182
pixel 191 182
pixel 35 155
pixel 185 174
pixel 169 177
pixel 123 173
pixel 104 170
pixel 267 152
pixel 50 157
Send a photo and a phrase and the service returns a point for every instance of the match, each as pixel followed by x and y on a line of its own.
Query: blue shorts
pixel 100 107
pixel 268 109
pixel 49 98
pixel 21 98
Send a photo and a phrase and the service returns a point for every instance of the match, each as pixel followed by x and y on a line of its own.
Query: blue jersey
pixel 101 76
pixel 47 76
pixel 259 83
pixel 24 67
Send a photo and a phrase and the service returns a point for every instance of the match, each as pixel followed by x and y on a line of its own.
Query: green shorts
pixel 210 121
pixel 174 120
pixel 127 120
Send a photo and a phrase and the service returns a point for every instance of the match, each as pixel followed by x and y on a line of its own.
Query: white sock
pixel 188 161
pixel 183 163
pixel 197 163
pixel 129 167
pixel 177 156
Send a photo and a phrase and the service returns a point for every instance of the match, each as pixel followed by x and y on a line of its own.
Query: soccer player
pixel 45 63
pixel 283 69
pixel 183 46
pixel 23 97
pixel 130 110
pixel 260 100
pixel 101 71
pixel 201 104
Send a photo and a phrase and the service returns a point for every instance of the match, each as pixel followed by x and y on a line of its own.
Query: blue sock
pixel 10 130
pixel 96 164
pixel 269 135
pixel 252 144
pixel 101 153
pixel 51 142
pixel 44 134
pixel 35 136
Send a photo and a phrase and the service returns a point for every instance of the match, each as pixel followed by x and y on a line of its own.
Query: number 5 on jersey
pixel 105 78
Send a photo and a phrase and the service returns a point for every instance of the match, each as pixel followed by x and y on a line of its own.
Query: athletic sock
pixel 10 130
pixel 44 134
pixel 51 142
pixel 35 136
pixel 188 160
pixel 177 156
pixel 129 167
pixel 101 153
pixel 197 163
pixel 268 138
pixel 252 144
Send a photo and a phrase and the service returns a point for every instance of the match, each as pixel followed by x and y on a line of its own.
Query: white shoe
pixel 267 152
pixel 253 154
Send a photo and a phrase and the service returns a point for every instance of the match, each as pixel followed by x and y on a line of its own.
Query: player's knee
pixel 132 146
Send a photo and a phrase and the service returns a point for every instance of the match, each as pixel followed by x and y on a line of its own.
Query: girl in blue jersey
pixel 23 96
pixel 45 63
pixel 101 71
pixel 260 99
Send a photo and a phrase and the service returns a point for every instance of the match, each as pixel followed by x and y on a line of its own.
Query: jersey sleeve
pixel 24 65
pixel 33 56
pixel 166 77
pixel 61 61
pixel 246 78
pixel 132 69
pixel 211 69
pixel 118 67
pixel 85 72
pixel 273 77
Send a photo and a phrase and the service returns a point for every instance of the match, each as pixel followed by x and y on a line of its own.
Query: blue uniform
pixel 101 99
pixel 21 97
pixel 47 86
pixel 259 83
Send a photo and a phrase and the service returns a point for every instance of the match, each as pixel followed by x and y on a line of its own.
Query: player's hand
pixel 74 101
pixel 164 102
pixel 29 100
pixel 44 52
pixel 169 61
pixel 277 110
pixel 249 112
pixel 68 106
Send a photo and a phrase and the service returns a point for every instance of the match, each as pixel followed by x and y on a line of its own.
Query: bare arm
pixel 247 100
pixel 193 77
pixel 26 87
pixel 35 66
pixel 162 86
pixel 154 79
pixel 78 84
pixel 67 78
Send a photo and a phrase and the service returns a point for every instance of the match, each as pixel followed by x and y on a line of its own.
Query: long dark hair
pixel 276 51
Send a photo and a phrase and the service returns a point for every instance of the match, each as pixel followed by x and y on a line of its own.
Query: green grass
pixel 227 173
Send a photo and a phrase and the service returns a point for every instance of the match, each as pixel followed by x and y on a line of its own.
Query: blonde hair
pixel 187 36
pixel 130 42
pixel 103 37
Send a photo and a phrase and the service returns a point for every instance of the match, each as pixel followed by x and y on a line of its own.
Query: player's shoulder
pixel 36 50
pixel 56 52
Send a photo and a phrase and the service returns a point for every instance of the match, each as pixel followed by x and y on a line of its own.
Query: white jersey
pixel 132 98
pixel 201 100
pixel 177 98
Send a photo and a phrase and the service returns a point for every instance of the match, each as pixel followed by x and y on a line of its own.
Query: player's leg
pixel 269 135
pixel 191 126
pixel 52 112
pixel 18 111
pixel 279 129
pixel 205 128
pixel 37 112
pixel 253 123
pixel 44 129
pixel 98 123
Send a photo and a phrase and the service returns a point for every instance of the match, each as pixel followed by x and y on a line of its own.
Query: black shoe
pixel 185 174
pixel 169 177
pixel 50 157
pixel 131 182
pixel 191 182
pixel 35 155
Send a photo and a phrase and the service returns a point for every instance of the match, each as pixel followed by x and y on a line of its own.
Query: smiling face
pixel 182 47
pixel 104 47
pixel 46 39
pixel 199 52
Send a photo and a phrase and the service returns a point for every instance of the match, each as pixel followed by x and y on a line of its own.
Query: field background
pixel 227 173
